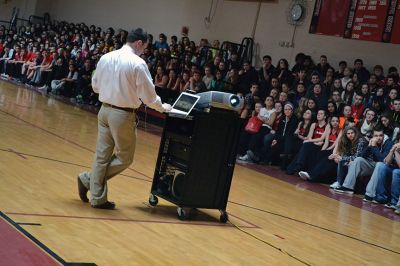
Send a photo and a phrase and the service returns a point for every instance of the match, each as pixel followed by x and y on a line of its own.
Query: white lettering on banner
pixel 368 25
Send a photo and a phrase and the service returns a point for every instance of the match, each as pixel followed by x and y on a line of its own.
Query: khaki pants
pixel 115 149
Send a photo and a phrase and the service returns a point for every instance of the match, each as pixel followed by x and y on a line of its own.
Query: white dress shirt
pixel 123 79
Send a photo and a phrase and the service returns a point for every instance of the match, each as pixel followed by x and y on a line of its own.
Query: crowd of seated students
pixel 56 58
pixel 322 123
pixel 336 126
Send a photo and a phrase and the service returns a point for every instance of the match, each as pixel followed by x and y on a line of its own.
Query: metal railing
pixel 15 22
pixel 244 50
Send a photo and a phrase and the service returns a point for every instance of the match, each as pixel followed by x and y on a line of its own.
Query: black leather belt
pixel 126 109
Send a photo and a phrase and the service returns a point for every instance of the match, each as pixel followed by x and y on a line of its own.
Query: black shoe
pixel 344 190
pixel 379 201
pixel 368 198
pixel 82 191
pixel 286 162
pixel 108 205
pixel 289 172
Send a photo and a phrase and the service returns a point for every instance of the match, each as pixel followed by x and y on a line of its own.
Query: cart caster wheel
pixel 153 200
pixel 224 217
pixel 181 214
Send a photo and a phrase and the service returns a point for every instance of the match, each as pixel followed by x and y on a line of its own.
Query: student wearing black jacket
pixel 247 76
pixel 266 73
pixel 283 143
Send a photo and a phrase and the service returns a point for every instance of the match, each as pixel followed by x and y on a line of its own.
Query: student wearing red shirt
pixel 30 62
pixel 42 68
pixel 34 72
pixel 357 108
pixel 303 128
pixel 315 139
pixel 324 170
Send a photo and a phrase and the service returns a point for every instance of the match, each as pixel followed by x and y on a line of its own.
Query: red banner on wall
pixel 330 17
pixel 369 20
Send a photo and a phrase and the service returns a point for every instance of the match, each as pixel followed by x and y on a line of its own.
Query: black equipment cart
pixel 196 160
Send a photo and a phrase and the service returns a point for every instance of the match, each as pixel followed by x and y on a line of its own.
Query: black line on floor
pixel 59 136
pixel 69 163
pixel 40 244
pixel 34 224
pixel 316 226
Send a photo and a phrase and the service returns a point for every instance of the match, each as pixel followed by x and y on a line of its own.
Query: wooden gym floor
pixel 45 143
